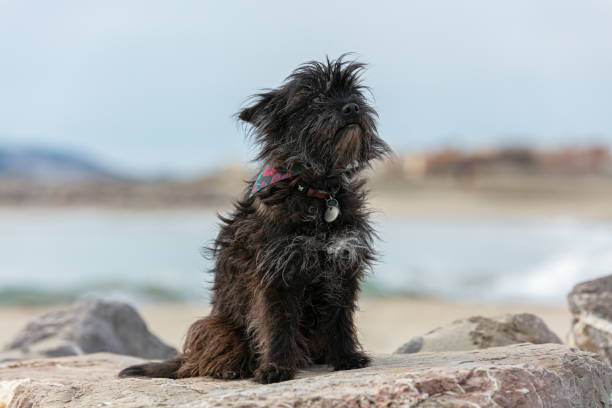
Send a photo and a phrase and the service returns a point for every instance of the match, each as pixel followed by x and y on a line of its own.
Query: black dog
pixel 290 258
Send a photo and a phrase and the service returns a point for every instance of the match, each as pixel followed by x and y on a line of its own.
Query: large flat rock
pixel 523 375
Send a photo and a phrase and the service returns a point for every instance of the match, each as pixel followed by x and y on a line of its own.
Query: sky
pixel 153 85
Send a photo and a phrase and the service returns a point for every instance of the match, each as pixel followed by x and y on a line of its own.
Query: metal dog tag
pixel 333 210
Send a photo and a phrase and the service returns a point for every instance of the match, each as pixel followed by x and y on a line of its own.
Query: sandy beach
pixel 384 323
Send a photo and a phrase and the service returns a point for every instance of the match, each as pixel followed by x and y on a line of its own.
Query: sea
pixel 56 256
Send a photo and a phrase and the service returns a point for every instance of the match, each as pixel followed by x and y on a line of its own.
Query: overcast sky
pixel 153 85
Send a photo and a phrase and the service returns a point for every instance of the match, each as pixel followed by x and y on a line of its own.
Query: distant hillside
pixel 49 166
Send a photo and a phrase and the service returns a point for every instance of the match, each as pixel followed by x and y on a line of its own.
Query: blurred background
pixel 118 145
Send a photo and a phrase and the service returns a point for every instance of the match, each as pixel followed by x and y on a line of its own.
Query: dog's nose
pixel 350 109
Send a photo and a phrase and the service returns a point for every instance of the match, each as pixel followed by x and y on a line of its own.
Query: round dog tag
pixel 333 210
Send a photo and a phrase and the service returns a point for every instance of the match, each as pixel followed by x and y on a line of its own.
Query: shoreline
pixel 454 204
pixel 395 193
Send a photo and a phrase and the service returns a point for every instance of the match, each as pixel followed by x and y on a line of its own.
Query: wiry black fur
pixel 286 282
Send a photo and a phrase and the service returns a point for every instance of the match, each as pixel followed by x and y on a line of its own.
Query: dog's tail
pixel 163 369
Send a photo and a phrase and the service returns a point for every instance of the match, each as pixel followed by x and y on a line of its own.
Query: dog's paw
pixel 225 374
pixel 352 361
pixel 271 373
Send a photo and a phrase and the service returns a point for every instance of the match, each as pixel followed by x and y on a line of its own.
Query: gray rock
pixel 526 375
pixel 482 332
pixel 89 326
pixel 414 345
pixel 591 307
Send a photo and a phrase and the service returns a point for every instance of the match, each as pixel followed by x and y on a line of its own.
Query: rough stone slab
pixel 524 375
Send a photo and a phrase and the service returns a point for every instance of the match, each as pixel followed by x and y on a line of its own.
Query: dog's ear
pixel 260 106
pixel 247 114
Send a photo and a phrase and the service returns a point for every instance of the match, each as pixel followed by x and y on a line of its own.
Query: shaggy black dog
pixel 291 256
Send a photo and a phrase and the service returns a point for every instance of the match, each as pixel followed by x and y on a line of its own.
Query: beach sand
pixel 384 323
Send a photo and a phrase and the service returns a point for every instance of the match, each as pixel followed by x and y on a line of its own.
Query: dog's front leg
pixel 281 345
pixel 343 348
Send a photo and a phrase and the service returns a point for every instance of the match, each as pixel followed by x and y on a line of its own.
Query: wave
pixel 23 295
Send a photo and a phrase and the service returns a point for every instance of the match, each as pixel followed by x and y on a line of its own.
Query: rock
pixel 414 345
pixel 591 306
pixel 482 332
pixel 525 375
pixel 89 326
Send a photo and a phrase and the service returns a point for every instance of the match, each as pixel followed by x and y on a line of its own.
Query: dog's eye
pixel 319 98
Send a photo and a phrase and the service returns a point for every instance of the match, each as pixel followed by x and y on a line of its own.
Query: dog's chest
pixel 344 246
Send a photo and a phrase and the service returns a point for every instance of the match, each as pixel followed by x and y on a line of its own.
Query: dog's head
pixel 319 118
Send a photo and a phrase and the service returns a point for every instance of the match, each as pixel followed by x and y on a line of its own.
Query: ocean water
pixel 57 255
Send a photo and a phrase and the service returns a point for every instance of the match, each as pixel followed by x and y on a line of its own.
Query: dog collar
pixel 313 192
pixel 333 208
pixel 270 175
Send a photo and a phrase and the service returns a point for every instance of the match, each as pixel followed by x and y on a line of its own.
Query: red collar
pixel 313 192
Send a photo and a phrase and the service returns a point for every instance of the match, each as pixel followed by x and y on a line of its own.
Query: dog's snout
pixel 350 109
